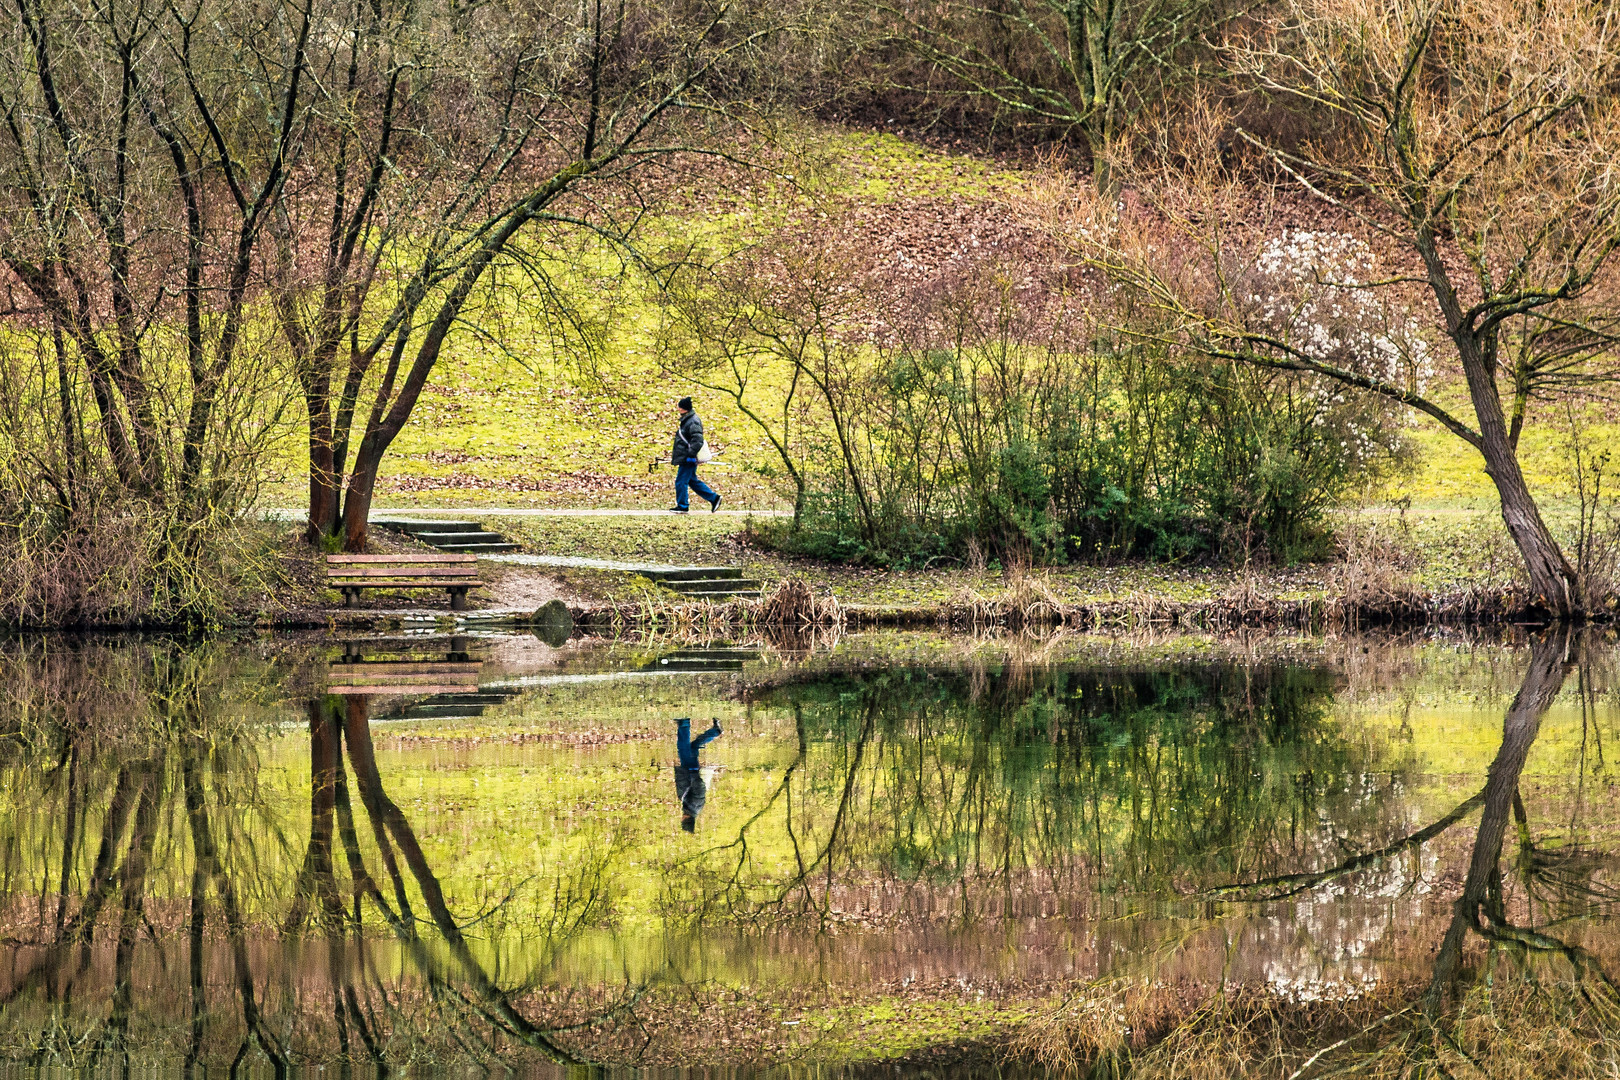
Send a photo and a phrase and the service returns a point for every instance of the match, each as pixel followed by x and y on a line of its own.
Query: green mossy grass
pixel 515 416
pixel 514 419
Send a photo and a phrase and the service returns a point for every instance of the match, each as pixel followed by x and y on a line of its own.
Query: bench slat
pixel 332 560
pixel 423 688
pixel 403 575
pixel 455 573
pixel 407 681
pixel 399 571
pixel 383 668
pixel 406 583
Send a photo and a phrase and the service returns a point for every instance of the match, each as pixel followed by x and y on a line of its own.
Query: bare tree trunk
pixel 324 481
pixel 133 885
pixel 316 880
pixel 1548 666
pixel 363 756
pixel 385 813
pixel 1552 579
pixel 206 854
pixel 357 503
pixel 64 398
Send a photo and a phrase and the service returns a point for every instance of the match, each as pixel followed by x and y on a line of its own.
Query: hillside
pixel 512 420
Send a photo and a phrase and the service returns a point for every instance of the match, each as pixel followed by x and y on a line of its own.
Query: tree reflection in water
pixel 1433 1033
pixel 153 762
pixel 1045 790
pixel 1149 811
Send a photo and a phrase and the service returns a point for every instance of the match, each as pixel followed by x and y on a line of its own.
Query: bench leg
pixel 350 596
pixel 458 599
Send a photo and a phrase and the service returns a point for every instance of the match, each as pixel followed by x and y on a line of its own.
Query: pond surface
pixel 418 852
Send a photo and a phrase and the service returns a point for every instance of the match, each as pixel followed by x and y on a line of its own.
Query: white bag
pixel 705 454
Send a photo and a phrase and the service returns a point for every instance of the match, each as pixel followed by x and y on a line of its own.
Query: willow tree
pixel 460 150
pixel 1471 164
pixel 136 389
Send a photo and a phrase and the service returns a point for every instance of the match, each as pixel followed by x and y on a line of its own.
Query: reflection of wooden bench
pixel 454 573
pixel 403 677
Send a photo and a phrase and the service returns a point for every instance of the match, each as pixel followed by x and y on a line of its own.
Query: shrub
pixel 121 562
pixel 1057 456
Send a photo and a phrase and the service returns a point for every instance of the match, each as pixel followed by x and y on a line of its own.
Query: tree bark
pixel 323 479
pixel 357 502
pixel 1552 579
pixel 1548 666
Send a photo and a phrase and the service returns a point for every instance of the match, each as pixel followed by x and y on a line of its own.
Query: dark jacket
pixel 688 438
pixel 691 790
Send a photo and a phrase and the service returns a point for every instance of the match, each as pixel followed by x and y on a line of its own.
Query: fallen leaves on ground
pixel 592 485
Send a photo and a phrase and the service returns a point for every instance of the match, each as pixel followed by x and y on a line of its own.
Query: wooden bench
pixel 403 677
pixel 454 573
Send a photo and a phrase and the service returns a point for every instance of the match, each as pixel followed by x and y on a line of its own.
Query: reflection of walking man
pixel 688 445
pixel 690 787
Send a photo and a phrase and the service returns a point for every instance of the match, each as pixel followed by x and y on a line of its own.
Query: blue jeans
pixel 686 747
pixel 686 476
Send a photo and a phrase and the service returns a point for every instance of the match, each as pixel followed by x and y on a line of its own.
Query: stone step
pixel 439 712
pixel 714 585
pixel 664 663
pixel 471 536
pixel 713 654
pixel 690 573
pixel 455 537
pixel 414 527
pixel 477 549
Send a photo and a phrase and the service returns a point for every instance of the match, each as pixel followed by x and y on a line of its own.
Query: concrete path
pixel 282 513
pixel 576 562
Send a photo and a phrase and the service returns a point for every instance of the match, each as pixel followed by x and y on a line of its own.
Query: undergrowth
pixel 1517 1026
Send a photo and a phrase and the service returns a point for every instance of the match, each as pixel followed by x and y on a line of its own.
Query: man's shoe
pixel 679 510
pixel 715 505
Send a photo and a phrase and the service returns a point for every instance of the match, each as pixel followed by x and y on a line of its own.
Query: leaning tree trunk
pixel 1549 664
pixel 1553 581
pixel 357 502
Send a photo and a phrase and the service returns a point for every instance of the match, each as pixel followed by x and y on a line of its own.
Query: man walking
pixel 688 445
pixel 691 786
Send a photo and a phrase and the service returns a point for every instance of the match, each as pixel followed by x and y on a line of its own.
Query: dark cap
pixel 684 403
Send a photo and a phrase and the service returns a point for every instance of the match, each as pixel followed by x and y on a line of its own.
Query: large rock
pixel 553 623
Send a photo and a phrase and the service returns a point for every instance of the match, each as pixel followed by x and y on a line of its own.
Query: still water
pixel 417 852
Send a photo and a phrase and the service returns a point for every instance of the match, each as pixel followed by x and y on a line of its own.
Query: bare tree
pixel 1476 143
pixel 136 380
pixel 721 330
pixel 1081 66
pixel 784 329
pixel 460 152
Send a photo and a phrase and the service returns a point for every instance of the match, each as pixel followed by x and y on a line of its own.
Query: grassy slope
pixel 511 421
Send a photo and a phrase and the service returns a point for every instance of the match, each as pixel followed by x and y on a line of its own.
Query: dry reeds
pixel 793 603
pixel 1508 1027
pixel 1031 604
pixel 126 563
pixel 1094 1029
pixel 1373 580
pixel 792 606
pixel 1368 591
